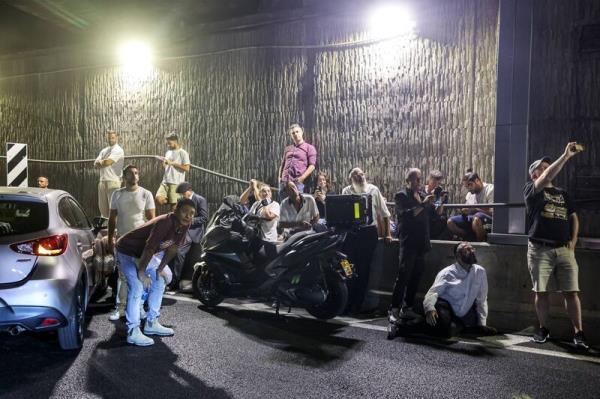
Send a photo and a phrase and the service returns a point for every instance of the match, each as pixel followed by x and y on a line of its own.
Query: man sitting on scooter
pixel 298 211
pixel 268 211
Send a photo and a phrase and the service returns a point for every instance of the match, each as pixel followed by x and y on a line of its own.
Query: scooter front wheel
pixel 205 286
pixel 337 297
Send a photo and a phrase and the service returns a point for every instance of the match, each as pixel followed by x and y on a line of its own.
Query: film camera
pixel 441 196
pixel 348 211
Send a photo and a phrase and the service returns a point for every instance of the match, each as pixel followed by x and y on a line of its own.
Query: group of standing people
pixel 458 296
pixel 145 244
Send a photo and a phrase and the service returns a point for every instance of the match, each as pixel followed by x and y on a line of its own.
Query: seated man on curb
pixel 473 223
pixel 135 250
pixel 298 211
pixel 457 299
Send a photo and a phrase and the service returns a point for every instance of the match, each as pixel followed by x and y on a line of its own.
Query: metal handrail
pixel 490 205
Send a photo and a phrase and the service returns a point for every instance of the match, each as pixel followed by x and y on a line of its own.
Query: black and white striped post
pixel 16 165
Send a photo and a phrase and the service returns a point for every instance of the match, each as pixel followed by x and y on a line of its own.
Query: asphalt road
pixel 243 351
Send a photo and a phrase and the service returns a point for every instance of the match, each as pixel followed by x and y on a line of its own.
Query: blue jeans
pixel 135 287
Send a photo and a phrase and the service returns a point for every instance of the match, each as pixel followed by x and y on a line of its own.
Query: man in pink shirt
pixel 299 160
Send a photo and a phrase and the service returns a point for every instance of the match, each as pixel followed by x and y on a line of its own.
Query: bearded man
pixel 360 245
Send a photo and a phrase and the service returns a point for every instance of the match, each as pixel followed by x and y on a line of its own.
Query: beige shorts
pixel 559 263
pixel 167 191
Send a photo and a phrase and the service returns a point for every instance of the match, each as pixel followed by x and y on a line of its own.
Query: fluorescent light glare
pixel 390 20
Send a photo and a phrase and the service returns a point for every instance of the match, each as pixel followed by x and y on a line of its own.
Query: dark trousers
pixel 446 317
pixel 412 263
pixel 186 253
pixel 360 246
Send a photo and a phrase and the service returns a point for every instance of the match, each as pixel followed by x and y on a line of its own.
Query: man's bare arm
pixel 550 173
pixel 306 173
pixel 574 219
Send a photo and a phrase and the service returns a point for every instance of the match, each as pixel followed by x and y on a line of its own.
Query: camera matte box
pixel 348 210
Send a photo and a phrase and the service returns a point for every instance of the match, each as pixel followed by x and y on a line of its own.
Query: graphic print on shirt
pixel 555 207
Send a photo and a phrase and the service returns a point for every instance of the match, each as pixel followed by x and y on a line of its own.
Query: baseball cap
pixel 537 163
pixel 183 187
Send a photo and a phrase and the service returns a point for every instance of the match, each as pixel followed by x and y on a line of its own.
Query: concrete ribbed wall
pixel 427 102
pixel 565 103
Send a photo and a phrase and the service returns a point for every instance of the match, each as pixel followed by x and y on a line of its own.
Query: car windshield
pixel 22 217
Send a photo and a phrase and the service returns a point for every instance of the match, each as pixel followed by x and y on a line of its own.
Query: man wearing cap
pixel 553 226
pixel 191 248
pixel 176 163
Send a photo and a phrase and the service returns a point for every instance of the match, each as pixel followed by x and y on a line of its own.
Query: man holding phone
pixel 553 226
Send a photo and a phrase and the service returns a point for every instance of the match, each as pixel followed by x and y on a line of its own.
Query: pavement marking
pixel 548 352
pixel 511 343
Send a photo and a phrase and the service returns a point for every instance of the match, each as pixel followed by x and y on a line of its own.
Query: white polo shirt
pixel 307 212
pixel 112 172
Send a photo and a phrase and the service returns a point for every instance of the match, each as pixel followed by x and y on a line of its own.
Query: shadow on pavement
pixel 301 341
pixel 117 369
pixel 419 336
pixel 32 364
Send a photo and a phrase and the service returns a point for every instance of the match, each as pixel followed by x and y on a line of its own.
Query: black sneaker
pixel 541 335
pixel 579 340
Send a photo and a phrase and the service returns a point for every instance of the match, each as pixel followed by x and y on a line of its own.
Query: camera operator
pixel 438 220
pixel 414 208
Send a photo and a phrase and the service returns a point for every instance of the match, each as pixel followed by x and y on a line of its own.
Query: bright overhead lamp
pixel 390 20
pixel 136 58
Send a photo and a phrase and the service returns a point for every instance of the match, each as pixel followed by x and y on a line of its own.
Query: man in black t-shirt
pixel 552 226
pixel 414 208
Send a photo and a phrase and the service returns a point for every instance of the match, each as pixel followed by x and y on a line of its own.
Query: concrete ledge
pixel 510 298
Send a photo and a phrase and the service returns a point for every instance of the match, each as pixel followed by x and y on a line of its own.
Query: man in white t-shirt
pixel 298 211
pixel 110 163
pixel 268 210
pixel 176 163
pixel 130 207
pixel 473 223
pixel 360 245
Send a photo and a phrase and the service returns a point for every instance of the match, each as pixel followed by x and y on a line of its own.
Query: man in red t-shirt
pixel 144 269
pixel 298 162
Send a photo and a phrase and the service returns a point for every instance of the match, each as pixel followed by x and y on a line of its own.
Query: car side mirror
pixel 100 223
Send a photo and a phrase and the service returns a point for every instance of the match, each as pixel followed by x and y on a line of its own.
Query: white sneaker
pixel 116 315
pixel 135 337
pixel 155 328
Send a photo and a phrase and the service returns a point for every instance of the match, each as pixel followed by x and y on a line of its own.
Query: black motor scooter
pixel 306 271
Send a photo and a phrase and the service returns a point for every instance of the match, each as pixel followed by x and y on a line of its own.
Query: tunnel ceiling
pixel 27 25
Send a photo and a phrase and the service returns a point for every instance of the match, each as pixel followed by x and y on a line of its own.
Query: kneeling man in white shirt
pixel 457 300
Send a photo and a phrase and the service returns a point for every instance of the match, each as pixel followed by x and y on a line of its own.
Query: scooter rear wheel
pixel 205 286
